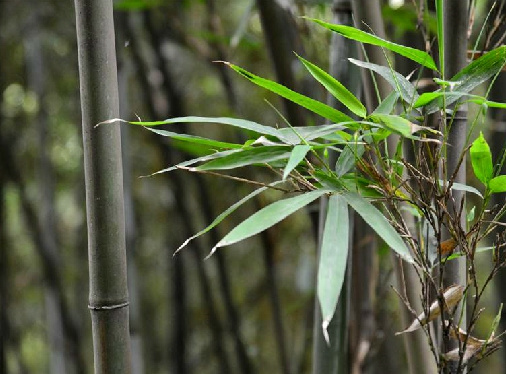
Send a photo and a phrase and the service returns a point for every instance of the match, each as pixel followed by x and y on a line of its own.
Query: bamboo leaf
pixel 335 87
pixel 452 295
pixel 293 134
pixel 397 124
pixel 378 223
pixel 421 57
pixel 333 258
pixel 315 106
pixel 399 82
pixel 348 158
pixel 195 139
pixel 297 155
pixel 497 184
pixel 388 104
pixel 235 122
pixel 267 217
pixel 481 159
pixel 462 187
pixel 225 214
pixel 248 156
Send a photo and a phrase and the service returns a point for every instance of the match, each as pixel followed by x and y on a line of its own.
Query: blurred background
pixel 250 307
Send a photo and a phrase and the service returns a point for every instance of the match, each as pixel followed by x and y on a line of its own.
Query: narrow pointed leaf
pixel 388 104
pixel 399 82
pixel 335 88
pixel 333 258
pixel 378 223
pixel 196 139
pixel 474 74
pixel 249 156
pixel 421 57
pixel 315 106
pixel 225 214
pixel 497 184
pixel 397 124
pixel 348 158
pixel 297 155
pixel 235 122
pixel 481 159
pixel 267 217
pixel 294 134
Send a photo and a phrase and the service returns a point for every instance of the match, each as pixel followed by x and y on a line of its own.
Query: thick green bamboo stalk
pixel 108 301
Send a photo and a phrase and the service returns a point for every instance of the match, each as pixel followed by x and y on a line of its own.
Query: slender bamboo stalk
pixel 108 301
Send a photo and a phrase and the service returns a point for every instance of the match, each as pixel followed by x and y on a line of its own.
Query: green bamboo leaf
pixel 294 134
pixel 397 124
pixel 335 87
pixel 315 106
pixel 196 139
pixel 399 82
pixel 197 160
pixel 474 74
pixel 421 57
pixel 481 160
pixel 333 258
pixel 248 156
pixel 235 122
pixel 497 184
pixel 462 187
pixel 297 155
pixel 267 217
pixel 429 97
pixel 378 223
pixel 440 34
pixel 225 214
pixel 487 103
pixel 348 158
pixel 388 104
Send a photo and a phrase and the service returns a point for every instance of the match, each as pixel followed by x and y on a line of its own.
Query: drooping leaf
pixel 315 106
pixel 225 214
pixel 481 159
pixel 196 139
pixel 267 217
pixel 451 296
pixel 497 184
pixel 248 156
pixel 297 155
pixel 421 57
pixel 399 82
pixel 335 87
pixel 378 223
pixel 333 258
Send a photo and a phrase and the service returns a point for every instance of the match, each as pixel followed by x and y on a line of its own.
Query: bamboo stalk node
pixel 108 307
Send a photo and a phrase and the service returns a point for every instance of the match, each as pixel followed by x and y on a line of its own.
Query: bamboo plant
pixel 379 184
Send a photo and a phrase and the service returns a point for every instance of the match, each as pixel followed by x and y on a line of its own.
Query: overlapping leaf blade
pixel 378 223
pixel 421 57
pixel 336 88
pixel 398 81
pixel 248 156
pixel 333 258
pixel 297 155
pixel 267 217
pixel 315 106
